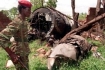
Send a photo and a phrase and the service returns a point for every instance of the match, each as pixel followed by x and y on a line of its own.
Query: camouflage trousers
pixel 23 52
pixel 25 61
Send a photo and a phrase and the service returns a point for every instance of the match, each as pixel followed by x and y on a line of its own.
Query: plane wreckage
pixel 47 22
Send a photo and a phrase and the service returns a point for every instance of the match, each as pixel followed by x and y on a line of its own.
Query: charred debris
pixel 50 24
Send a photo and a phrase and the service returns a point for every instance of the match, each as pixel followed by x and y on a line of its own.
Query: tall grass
pixel 37 63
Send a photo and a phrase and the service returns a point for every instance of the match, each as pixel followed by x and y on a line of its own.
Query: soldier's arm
pixel 7 33
pixel 5 36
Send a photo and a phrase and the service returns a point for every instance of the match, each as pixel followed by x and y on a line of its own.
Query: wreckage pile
pixel 74 48
pixel 97 27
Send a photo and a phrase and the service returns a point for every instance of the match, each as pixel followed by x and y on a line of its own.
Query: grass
pixel 36 63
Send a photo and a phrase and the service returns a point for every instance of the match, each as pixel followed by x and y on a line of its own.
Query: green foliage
pixel 13 12
pixel 39 3
pixel 52 3
pixel 3 59
pixel 94 42
pixel 82 16
pixel 5 12
pixel 36 63
pixel 10 13
pixel 36 4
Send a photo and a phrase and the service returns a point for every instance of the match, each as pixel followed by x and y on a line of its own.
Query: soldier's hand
pixel 14 58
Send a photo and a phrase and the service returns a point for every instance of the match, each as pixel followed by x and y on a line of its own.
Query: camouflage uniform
pixel 19 30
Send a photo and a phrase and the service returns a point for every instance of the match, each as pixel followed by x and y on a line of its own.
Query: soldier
pixel 18 28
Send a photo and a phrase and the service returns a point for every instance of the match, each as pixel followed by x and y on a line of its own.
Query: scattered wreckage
pixel 72 44
pixel 75 48
pixel 47 23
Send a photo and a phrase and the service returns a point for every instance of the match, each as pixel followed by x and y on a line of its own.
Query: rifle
pixel 21 63
pixel 10 53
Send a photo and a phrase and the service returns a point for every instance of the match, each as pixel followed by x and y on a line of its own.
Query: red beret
pixel 25 3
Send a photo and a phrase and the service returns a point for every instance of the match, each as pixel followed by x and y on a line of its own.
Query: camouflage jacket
pixel 19 30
